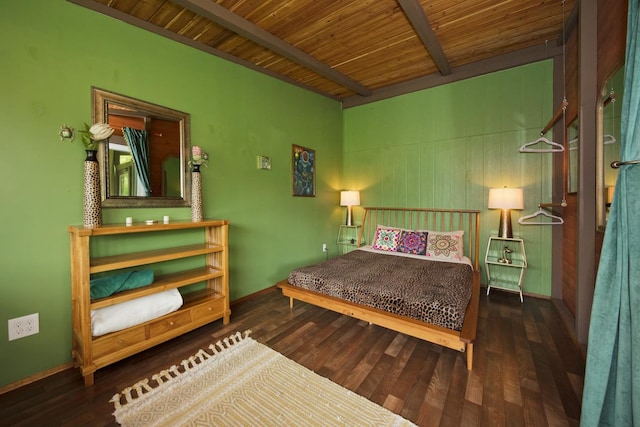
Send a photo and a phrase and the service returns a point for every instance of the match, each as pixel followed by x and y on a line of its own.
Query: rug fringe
pixel 142 387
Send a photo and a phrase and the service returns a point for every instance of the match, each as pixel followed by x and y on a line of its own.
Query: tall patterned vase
pixel 196 194
pixel 91 206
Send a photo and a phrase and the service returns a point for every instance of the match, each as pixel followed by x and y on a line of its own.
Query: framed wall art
pixel 303 171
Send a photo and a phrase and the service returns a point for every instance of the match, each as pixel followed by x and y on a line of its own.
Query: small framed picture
pixel 264 162
pixel 303 171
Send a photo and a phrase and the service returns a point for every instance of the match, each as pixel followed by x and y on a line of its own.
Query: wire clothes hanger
pixel 541 216
pixel 530 219
pixel 554 146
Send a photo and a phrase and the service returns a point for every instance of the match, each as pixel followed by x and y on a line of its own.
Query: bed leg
pixel 290 302
pixel 470 356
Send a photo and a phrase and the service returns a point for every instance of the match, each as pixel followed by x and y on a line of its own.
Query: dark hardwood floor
pixel 527 369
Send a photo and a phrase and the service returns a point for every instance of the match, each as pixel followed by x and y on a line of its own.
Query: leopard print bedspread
pixel 430 291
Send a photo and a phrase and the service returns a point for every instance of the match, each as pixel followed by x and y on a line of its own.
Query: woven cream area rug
pixel 241 382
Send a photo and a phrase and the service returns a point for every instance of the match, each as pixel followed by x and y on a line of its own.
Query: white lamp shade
pixel 505 198
pixel 349 198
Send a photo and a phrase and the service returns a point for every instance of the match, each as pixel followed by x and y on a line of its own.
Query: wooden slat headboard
pixel 426 219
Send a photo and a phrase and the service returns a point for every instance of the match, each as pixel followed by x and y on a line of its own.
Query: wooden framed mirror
pixel 165 181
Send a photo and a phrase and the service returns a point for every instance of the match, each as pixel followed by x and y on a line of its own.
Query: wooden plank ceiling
pixel 359 51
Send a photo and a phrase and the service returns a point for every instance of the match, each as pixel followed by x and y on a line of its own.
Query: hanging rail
pixel 562 204
pixel 611 98
pixel 555 117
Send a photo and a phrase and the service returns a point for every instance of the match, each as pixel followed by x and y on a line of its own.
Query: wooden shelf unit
pixel 200 307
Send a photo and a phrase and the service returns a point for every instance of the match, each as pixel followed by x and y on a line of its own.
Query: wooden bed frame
pixel 415 219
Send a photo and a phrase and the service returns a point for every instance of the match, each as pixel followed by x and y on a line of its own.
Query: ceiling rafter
pixel 357 51
pixel 414 12
pixel 224 17
pixel 503 62
pixel 140 23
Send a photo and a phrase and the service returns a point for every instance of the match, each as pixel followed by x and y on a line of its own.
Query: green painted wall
pixel 52 53
pixel 446 146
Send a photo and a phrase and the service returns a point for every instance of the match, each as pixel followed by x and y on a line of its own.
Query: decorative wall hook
pixel 67 132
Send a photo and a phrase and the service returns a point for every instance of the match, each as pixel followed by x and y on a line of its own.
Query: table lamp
pixel 349 198
pixel 505 199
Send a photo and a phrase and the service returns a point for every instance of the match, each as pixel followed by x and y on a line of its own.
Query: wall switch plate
pixel 324 247
pixel 24 326
pixel 264 162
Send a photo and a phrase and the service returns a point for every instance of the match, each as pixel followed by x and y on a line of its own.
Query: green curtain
pixel 139 145
pixel 611 394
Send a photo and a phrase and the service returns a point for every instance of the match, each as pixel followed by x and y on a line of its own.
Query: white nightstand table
pixel 505 262
pixel 348 238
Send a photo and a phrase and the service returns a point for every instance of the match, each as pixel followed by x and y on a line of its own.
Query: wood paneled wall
pixel 612 37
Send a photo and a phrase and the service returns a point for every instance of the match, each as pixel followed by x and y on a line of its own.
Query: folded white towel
pixel 130 313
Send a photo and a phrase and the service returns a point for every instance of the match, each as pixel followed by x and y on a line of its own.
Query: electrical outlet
pixel 24 326
pixel 324 247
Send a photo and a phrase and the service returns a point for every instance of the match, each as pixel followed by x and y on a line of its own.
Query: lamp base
pixel 349 222
pixel 504 228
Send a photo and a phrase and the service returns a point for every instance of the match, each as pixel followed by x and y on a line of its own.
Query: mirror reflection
pixel 146 161
pixel 574 146
pixel 609 115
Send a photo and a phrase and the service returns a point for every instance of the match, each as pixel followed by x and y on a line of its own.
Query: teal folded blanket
pixel 108 285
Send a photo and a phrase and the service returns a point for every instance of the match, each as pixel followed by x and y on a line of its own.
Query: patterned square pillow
pixel 413 242
pixel 386 239
pixel 445 245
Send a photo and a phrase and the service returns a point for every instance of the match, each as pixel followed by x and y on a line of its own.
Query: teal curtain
pixel 139 145
pixel 611 394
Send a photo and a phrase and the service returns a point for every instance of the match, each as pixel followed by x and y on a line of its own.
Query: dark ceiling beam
pixel 414 12
pixel 129 19
pixel 515 59
pixel 569 26
pixel 224 17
